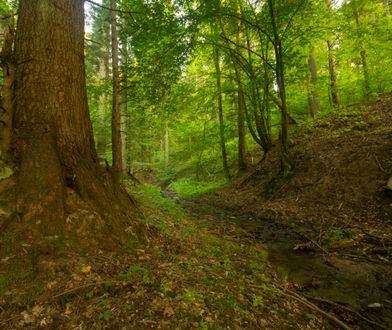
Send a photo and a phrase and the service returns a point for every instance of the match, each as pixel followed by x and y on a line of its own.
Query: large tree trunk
pixel 52 139
pixel 7 95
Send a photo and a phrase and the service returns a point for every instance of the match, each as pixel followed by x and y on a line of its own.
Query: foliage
pixel 169 72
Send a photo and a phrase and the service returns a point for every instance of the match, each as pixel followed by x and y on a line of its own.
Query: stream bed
pixel 345 284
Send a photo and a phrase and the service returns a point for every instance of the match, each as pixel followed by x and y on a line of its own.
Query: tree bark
pixel 102 106
pixel 7 96
pixel 53 141
pixel 116 115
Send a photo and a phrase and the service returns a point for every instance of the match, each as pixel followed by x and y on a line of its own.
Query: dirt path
pixel 353 287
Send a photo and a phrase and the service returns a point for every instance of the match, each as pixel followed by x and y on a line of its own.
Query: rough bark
pixel 53 141
pixel 116 116
pixel 7 95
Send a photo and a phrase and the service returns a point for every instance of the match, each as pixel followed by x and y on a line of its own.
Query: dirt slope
pixel 342 164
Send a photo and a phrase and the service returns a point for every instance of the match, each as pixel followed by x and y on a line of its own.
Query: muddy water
pixel 363 286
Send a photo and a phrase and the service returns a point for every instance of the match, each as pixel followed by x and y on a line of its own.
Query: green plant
pixel 105 315
pixel 137 272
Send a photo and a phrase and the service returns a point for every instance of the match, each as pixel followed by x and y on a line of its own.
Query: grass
pixel 187 186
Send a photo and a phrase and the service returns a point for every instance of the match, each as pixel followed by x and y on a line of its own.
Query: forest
pixel 196 164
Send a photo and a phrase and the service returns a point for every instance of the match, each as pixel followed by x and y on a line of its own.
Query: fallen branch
pixel 307 303
pixel 348 310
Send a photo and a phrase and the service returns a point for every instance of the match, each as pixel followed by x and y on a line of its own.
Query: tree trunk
pixel 313 95
pixel 53 141
pixel 124 106
pixel 102 106
pixel 286 162
pixel 220 113
pixel 241 104
pixel 116 116
pixel 7 96
pixel 362 53
pixel 166 151
pixel 334 92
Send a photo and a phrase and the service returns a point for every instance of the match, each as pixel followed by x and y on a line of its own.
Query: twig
pixel 379 164
pixel 347 309
pixel 307 303
pixel 10 319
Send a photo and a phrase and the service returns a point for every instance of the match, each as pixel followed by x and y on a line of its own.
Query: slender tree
pixel 286 162
pixel 220 111
pixel 116 115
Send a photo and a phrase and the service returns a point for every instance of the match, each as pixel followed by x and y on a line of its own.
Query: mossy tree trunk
pixel 52 138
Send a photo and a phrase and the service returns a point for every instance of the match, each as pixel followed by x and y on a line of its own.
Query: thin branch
pixel 292 18
pixel 254 25
pixel 115 10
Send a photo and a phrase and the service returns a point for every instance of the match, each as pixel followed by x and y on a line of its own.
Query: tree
pixel 116 115
pixel 7 95
pixel 54 150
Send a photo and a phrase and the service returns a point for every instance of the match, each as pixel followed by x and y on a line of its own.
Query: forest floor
pixel 327 226
pixel 310 251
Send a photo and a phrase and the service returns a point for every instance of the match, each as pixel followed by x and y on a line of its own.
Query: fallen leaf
pixel 68 309
pixel 168 312
pixel 86 269
pixel 37 310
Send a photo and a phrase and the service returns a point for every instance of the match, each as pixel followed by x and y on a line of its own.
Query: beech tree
pixel 53 147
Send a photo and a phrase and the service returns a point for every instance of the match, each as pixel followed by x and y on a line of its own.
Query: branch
pixel 110 9
pixel 251 24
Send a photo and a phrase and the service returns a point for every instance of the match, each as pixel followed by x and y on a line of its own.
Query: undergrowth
pixel 187 186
